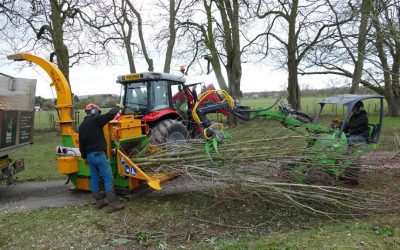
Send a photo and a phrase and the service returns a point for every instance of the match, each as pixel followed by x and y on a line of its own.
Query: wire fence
pixel 47 120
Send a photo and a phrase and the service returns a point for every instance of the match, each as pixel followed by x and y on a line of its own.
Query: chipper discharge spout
pixel 124 135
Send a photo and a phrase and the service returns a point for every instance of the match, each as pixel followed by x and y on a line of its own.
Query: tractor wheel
pixel 168 131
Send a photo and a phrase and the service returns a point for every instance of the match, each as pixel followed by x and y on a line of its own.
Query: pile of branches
pixel 262 170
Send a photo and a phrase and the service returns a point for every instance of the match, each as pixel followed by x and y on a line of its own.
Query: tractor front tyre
pixel 168 131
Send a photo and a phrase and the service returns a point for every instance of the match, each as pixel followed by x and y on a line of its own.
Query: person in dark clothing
pixel 356 128
pixel 93 146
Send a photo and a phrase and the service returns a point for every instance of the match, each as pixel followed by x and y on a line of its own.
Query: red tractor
pixel 166 104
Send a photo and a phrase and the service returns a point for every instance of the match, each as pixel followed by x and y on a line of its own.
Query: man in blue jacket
pixel 93 146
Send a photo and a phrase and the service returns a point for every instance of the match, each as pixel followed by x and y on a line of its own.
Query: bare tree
pixel 307 23
pixel 386 21
pixel 51 25
pixel 140 33
pixel 173 10
pixel 118 24
pixel 366 8
pixel 221 36
pixel 381 69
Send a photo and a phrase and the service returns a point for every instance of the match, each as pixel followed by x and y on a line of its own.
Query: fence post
pixel 52 123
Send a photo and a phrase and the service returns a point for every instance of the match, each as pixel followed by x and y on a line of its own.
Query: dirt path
pixel 33 195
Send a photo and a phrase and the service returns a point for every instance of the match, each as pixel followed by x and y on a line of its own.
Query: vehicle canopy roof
pixel 145 76
pixel 347 99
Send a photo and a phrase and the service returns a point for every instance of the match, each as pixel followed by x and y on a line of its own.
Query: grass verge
pixel 40 158
pixel 192 221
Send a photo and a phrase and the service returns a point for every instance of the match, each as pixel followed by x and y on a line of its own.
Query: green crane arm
pixel 291 119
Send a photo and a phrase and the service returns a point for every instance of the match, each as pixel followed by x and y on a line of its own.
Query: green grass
pixel 372 233
pixel 40 158
pixel 310 105
pixel 192 221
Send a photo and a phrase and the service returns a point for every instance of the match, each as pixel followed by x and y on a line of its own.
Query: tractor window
pixel 136 98
pixel 179 97
pixel 159 95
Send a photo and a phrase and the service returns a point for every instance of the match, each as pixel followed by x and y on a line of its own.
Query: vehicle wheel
pixel 168 131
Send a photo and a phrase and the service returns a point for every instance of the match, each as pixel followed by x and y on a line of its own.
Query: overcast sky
pixel 87 80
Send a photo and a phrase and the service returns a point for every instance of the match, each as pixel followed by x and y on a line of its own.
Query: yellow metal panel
pixel 67 165
pixel 106 131
pixel 83 184
pixel 4 162
pixel 131 77
pixel 127 168
pixel 127 126
pixel 75 136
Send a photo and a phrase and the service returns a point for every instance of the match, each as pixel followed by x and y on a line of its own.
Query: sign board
pixel 16 128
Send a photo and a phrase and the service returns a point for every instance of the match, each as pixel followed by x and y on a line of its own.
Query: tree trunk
pixel 141 38
pixel 210 43
pixel 129 54
pixel 366 8
pixel 172 37
pixel 293 86
pixel 393 102
pixel 234 71
pixel 57 35
pixel 127 41
pixel 293 82
pixel 236 62
pixel 390 77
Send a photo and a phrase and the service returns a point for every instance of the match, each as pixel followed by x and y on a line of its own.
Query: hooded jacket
pixel 91 134
pixel 358 124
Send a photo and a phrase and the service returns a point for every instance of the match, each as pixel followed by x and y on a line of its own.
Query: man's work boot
pixel 114 204
pixel 100 200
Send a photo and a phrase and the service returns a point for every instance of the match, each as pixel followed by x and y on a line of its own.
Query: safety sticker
pixel 127 169
pixel 133 171
pixel 122 160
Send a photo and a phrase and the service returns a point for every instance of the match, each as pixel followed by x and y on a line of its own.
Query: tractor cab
pixel 150 92
pixel 350 101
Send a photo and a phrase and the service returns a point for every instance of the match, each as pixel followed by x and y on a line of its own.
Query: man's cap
pixel 91 106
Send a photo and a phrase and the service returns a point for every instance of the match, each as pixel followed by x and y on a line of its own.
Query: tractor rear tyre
pixel 168 131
